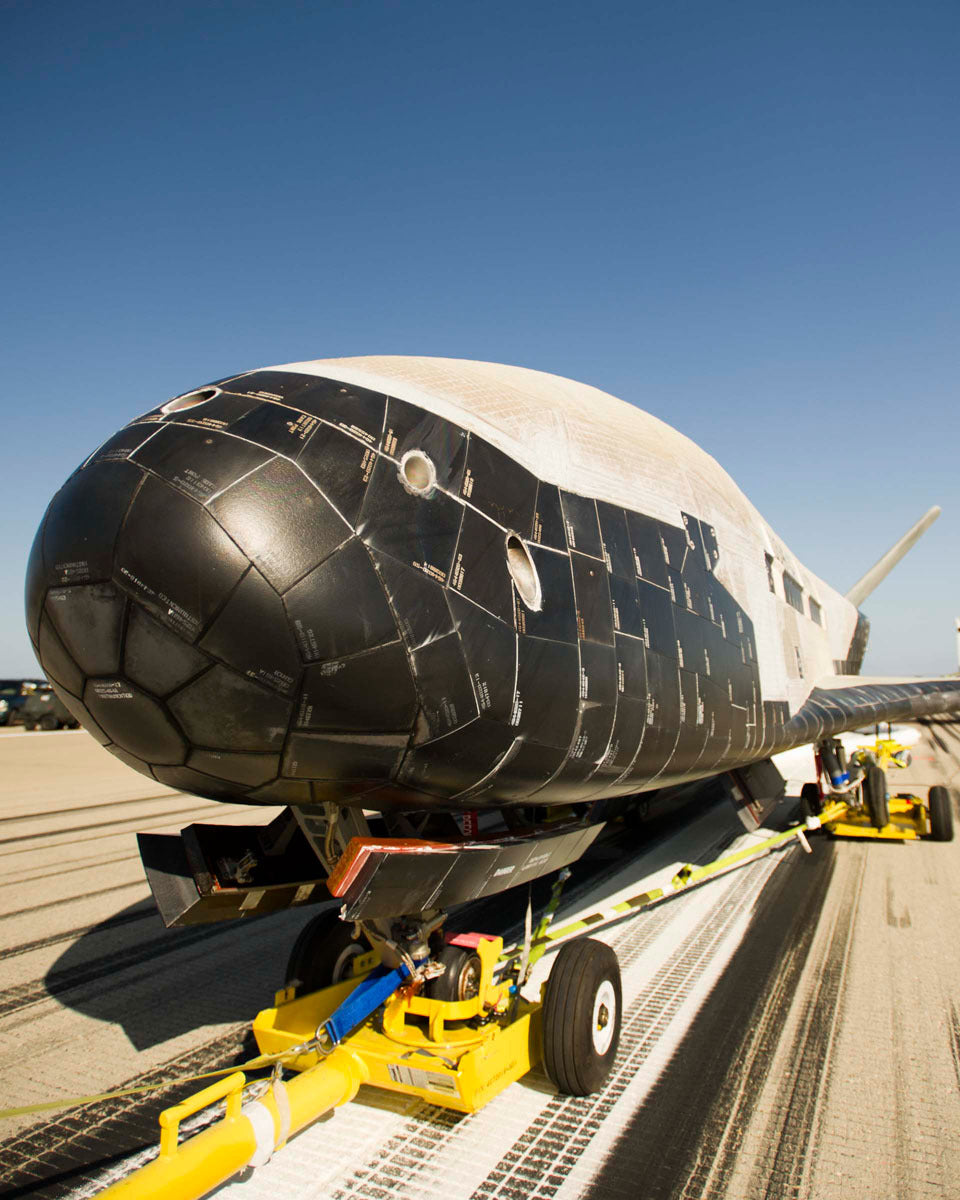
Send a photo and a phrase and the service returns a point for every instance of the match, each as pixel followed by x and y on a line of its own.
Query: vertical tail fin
pixel 882 568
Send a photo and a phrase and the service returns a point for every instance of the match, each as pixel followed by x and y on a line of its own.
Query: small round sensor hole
pixel 523 572
pixel 417 473
pixel 190 400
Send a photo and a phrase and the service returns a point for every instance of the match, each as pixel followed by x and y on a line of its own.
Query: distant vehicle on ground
pixel 43 709
pixel 13 696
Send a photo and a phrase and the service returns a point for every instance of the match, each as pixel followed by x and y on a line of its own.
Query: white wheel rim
pixel 604 1017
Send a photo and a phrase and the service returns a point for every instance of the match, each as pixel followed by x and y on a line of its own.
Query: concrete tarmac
pixel 792 1029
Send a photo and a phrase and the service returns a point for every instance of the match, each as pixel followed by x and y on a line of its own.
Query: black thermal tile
pixel 295 792
pixel 663 691
pixel 419 603
pixel 678 593
pixel 83 521
pixel 656 612
pixel 175 559
pixel 675 544
pixel 526 771
pixel 89 620
pixel 371 692
pixel 480 565
pixel 283 430
pixel 592 592
pixel 490 649
pixel 500 487
pixel 419 531
pixel 340 467
pixel 199 462
pixel 223 711
pixel 690 713
pixel 548 690
pixel 251 770
pixel 135 721
pixel 628 729
pixel 342 757
pixel 592 738
pixel 711 548
pixel 185 779
pixel 557 618
pixel 123 444
pixel 85 717
pixel 444 687
pixel 615 535
pixel 251 633
pixel 408 427
pixel 129 760
pixel 598 673
pixel 695 547
pixel 287 387
pixel 627 617
pixel 355 410
pixel 580 520
pixel 157 659
pixel 548 527
pixel 340 608
pixel 690 640
pixel 631 667
pixel 57 663
pixel 649 555
pixel 718 658
pixel 220 412
pixel 458 761
pixel 280 521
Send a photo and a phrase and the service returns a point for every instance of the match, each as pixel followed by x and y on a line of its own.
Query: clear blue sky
pixel 743 217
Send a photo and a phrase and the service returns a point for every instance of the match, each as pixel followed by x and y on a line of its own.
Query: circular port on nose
pixel 523 572
pixel 190 400
pixel 417 473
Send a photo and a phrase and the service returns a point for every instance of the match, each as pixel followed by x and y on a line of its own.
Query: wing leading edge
pixel 843 702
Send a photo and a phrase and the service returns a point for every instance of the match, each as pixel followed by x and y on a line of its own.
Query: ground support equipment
pixel 457 1053
pixel 851 799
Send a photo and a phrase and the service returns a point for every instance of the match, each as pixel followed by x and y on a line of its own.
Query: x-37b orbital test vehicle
pixel 452 615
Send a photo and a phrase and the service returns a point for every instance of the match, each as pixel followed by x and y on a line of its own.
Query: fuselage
pixel 405 583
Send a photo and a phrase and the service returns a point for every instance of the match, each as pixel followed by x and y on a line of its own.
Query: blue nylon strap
pixel 364 1000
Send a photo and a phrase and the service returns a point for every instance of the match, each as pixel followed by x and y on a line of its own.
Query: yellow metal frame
pixel 909 820
pixel 455 1053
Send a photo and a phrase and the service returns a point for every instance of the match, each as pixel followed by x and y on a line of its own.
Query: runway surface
pixel 792 1029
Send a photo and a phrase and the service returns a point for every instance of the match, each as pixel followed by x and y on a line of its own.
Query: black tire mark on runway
pixel 793 1131
pixel 87 864
pixel 30 837
pixel 70 935
pixel 117 887
pixel 53 1160
pixel 675 1138
pixel 61 812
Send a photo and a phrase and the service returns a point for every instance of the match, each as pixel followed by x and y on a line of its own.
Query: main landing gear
pixel 851 798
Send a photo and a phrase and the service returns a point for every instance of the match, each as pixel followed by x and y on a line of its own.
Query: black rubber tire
pixel 322 953
pixel 811 802
pixel 49 722
pixel 941 815
pixel 461 979
pixel 875 796
pixel 578 1049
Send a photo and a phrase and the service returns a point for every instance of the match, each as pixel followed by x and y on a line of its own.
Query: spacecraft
pixel 409 598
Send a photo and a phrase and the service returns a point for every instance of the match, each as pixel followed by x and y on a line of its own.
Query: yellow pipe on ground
pixel 196 1166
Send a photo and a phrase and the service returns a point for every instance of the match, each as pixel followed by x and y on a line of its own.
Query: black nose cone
pixel 204 606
